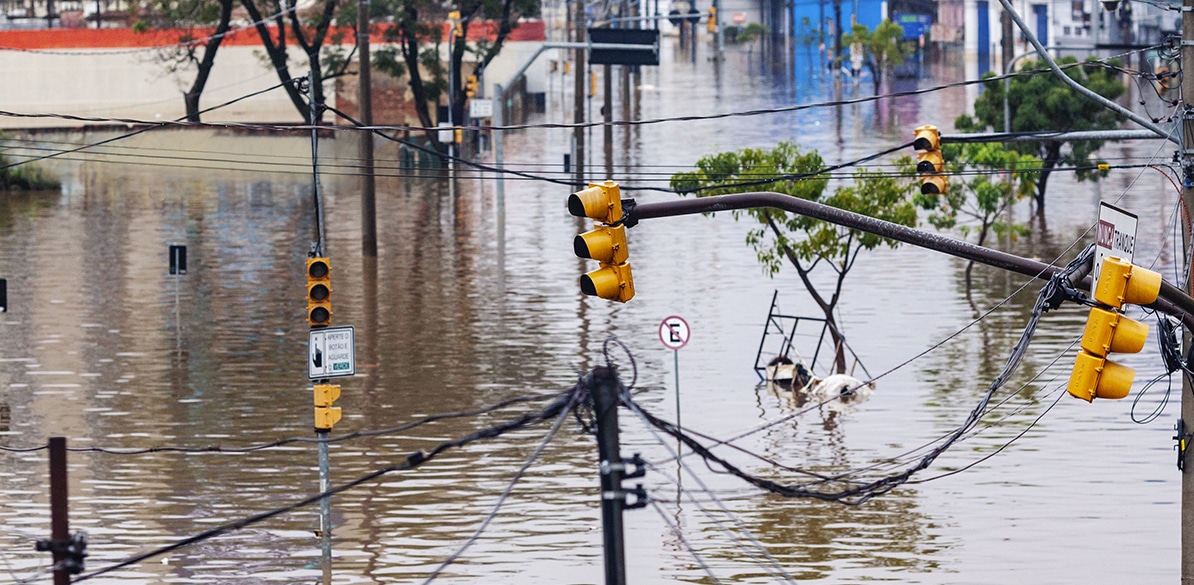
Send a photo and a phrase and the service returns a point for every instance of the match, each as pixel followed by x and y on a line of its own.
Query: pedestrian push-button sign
pixel 330 353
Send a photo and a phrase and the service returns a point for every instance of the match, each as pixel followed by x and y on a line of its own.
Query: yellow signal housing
pixel 1123 282
pixel 930 164
pixel 1099 377
pixel 613 282
pixel 1108 331
pixel 601 202
pixel 927 137
pixel 326 415
pixel 712 24
pixel 605 244
pixel 319 292
pixel 470 86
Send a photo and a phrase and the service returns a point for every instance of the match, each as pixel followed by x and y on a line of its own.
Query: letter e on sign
pixel 674 332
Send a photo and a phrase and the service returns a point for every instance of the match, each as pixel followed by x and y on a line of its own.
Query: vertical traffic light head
pixel 319 292
pixel 601 202
pixel 711 25
pixel 605 244
pixel 929 162
pixel 470 86
pixel 1108 331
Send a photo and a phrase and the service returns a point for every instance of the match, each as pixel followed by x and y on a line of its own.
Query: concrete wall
pixel 131 82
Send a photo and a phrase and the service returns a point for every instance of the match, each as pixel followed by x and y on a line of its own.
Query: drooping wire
pixel 152 126
pixel 411 461
pixel 772 565
pixel 282 442
pixel 683 541
pixel 858 494
pixel 497 506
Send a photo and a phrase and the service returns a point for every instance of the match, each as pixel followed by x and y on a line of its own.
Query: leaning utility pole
pixel 1187 419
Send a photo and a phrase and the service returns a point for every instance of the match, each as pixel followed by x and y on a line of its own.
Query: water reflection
pixel 460 311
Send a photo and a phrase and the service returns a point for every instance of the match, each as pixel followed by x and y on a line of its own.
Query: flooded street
pixel 102 346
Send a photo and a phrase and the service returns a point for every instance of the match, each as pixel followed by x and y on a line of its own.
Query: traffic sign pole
pixel 674 333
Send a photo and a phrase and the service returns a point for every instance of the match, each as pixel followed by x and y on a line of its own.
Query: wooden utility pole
pixel 59 524
pixel 368 186
pixel 1187 420
pixel 578 133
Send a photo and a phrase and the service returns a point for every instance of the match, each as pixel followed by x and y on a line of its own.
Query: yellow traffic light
pixel 712 24
pixel 1123 282
pixel 319 292
pixel 606 243
pixel 1108 331
pixel 326 415
pixel 470 86
pixel 601 202
pixel 930 164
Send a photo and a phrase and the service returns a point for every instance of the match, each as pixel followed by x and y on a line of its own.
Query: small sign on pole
pixel 674 332
pixel 178 259
pixel 1116 236
pixel 331 352
pixel 480 108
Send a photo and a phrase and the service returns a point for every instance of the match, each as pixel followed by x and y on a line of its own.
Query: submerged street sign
pixel 331 353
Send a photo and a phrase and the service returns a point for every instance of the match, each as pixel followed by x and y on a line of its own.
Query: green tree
pixel 1042 102
pixel 804 242
pixel 882 48
pixel 986 180
pixel 197 41
pixel 22 175
pixel 311 29
pixel 417 39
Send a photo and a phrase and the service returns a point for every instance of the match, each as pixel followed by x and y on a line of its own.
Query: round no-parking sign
pixel 674 332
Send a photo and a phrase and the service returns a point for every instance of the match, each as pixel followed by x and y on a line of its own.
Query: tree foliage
pixel 24 177
pixel 311 28
pixel 883 48
pixel 803 242
pixel 201 26
pixel 1042 102
pixel 986 180
pixel 418 40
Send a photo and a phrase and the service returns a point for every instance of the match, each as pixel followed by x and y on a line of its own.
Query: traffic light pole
pixel 365 97
pixel 1187 419
pixel 1173 300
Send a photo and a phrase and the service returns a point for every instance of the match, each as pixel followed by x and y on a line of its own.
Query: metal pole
pixel 676 355
pixel 368 186
pixel 605 387
pixel 578 134
pixel 1172 301
pixel 451 95
pixel 59 521
pixel 319 233
pixel 499 120
pixel 607 115
pixel 1187 418
pixel 325 505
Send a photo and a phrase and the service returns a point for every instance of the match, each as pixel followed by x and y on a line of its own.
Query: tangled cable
pixel 1058 288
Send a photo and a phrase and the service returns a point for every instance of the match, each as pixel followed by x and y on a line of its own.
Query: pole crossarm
pixel 1172 301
